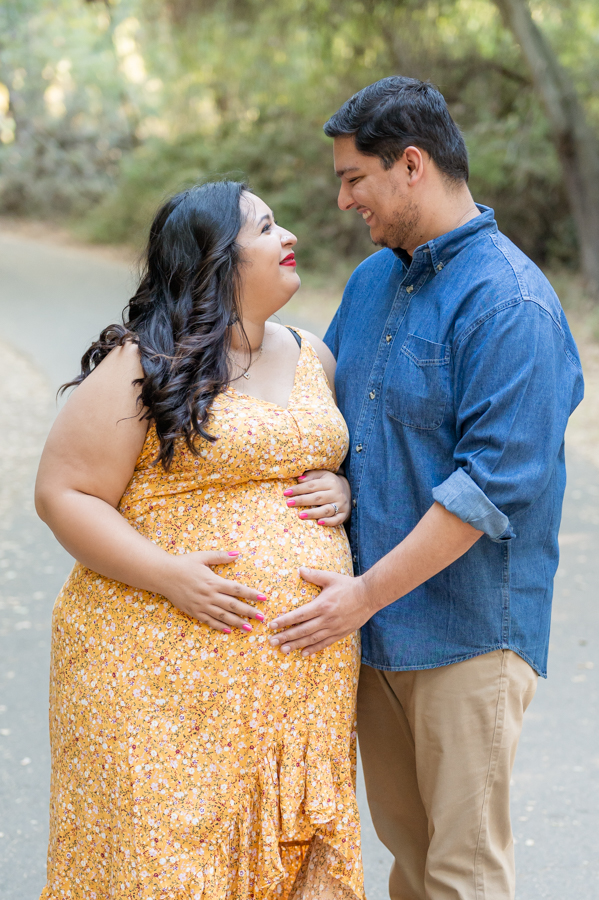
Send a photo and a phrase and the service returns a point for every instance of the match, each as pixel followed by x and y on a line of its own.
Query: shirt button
pixel 372 395
pixel 439 267
pixel 355 558
pixel 358 448
pixel 409 289
pixel 354 503
pixel 388 337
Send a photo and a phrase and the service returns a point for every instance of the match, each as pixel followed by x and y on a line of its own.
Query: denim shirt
pixel 456 374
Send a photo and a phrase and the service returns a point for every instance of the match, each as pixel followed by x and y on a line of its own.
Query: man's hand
pixel 340 609
pixel 345 603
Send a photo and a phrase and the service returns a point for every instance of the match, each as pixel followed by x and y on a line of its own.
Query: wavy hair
pixel 181 313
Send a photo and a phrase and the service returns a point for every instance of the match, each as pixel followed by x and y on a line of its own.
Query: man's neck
pixel 449 211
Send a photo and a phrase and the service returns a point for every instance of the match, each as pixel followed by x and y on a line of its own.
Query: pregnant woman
pixel 191 473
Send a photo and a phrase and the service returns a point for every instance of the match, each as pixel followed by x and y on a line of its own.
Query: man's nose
pixel 344 200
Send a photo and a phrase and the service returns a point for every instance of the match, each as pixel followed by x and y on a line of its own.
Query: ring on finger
pixel 335 507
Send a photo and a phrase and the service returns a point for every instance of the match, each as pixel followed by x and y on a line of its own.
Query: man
pixel 456 374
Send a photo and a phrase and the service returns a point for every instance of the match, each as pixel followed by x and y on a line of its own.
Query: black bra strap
pixel 295 335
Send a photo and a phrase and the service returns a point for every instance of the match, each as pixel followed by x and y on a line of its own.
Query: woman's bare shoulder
pixel 108 399
pixel 100 431
pixel 122 360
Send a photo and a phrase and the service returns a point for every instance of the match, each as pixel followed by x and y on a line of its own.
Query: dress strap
pixel 297 336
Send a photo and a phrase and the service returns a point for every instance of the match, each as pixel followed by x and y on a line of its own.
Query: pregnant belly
pixel 252 518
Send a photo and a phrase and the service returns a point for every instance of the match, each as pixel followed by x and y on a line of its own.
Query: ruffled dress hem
pixel 300 788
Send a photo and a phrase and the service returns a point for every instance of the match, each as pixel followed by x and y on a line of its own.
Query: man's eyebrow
pixel 341 172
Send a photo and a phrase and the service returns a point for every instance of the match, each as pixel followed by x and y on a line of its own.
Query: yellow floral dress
pixel 187 763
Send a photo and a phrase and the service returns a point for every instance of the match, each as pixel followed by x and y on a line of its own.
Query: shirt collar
pixel 439 251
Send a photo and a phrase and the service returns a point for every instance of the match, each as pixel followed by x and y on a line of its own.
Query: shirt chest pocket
pixel 418 383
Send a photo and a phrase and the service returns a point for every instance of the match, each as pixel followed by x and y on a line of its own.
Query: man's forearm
pixel 345 604
pixel 438 539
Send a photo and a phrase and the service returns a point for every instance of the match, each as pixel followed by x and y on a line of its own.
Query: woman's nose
pixel 288 238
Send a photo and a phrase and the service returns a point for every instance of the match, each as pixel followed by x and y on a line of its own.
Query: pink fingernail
pixel 226 631
pixel 247 627
pixel 260 617
pixel 301 478
pixel 288 492
pixel 321 522
pixel 291 503
pixel 261 597
pixel 233 552
pixel 303 515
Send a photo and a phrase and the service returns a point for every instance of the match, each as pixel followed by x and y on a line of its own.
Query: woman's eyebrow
pixel 266 216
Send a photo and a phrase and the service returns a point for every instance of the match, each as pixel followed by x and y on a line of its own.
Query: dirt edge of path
pixel 47 233
pixel 26 413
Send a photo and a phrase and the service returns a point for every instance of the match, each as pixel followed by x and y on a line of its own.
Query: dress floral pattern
pixel 188 763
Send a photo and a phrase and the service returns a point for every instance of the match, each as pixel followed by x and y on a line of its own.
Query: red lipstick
pixel 289 260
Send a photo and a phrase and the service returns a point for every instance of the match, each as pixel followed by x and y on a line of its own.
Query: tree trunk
pixel 576 143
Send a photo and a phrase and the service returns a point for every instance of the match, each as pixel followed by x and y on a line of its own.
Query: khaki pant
pixel 438 747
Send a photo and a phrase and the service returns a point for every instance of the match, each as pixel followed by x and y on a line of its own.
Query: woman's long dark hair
pixel 181 313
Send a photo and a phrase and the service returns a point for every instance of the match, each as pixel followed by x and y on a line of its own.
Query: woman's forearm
pixel 100 538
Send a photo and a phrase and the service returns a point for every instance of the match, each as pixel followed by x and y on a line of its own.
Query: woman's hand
pixel 321 491
pixel 196 590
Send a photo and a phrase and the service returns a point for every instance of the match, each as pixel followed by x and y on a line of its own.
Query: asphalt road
pixel 53 300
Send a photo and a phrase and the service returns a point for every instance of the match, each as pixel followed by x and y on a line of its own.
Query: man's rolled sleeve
pixel 515 385
pixel 460 495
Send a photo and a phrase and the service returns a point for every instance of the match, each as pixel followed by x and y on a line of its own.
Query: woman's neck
pixel 255 331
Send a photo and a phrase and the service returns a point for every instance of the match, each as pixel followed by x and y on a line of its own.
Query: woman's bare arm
pixel 87 463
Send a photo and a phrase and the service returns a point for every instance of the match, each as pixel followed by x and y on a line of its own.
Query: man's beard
pixel 401 231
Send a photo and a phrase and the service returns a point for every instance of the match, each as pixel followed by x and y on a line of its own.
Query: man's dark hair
pixel 397 112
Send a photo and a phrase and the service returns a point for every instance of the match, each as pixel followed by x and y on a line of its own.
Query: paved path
pixel 52 301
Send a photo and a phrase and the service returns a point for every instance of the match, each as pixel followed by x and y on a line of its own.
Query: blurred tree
pixel 577 145
pixel 248 87
pixel 70 111
pixel 123 103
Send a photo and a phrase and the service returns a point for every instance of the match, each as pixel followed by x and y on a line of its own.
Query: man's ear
pixel 413 162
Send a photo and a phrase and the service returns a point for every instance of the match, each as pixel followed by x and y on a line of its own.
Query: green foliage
pixel 67 108
pixel 286 163
pixel 115 107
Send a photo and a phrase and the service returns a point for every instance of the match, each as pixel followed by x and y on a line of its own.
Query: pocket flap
pixel 425 353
